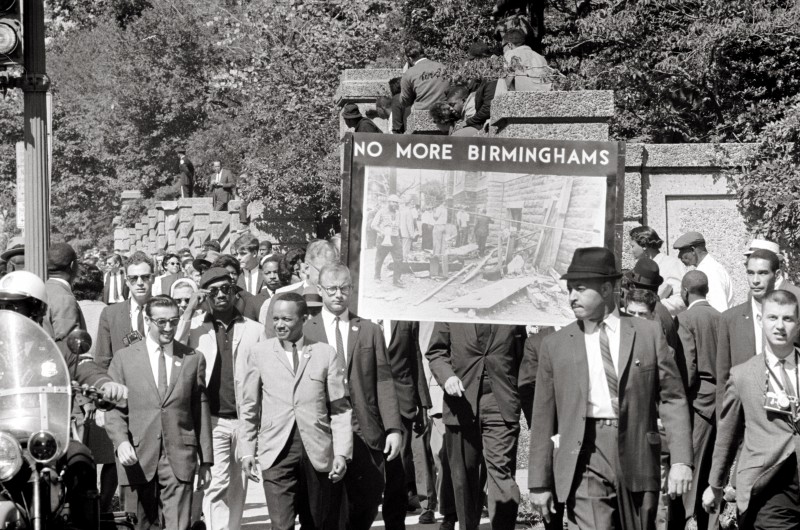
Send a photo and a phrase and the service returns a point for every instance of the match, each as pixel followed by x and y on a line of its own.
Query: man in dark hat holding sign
pixel 602 384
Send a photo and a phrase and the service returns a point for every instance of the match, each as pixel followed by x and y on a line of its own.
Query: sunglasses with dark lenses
pixel 226 289
pixel 162 322
pixel 144 277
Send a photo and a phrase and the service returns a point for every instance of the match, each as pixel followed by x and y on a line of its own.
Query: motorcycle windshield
pixel 35 391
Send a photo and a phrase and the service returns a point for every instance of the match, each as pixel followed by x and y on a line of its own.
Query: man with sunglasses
pixel 121 325
pixel 376 414
pixel 220 336
pixel 164 431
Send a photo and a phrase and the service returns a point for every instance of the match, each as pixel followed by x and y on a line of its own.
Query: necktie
pixel 295 360
pixel 162 374
pixel 140 321
pixel 787 383
pixel 339 341
pixel 608 365
pixel 114 289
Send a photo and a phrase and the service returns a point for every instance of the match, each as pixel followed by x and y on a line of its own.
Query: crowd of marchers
pixel 659 403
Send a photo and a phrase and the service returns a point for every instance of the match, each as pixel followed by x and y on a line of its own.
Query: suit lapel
pixel 626 334
pixel 238 329
pixel 177 367
pixel 303 358
pixel 746 323
pixel 352 338
pixel 146 366
pixel 278 351
pixel 579 357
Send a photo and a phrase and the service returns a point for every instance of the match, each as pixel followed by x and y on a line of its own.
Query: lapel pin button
pixel 638 362
pixel 355 328
pixel 306 355
pixel 177 363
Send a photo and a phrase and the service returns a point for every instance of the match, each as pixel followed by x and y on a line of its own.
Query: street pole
pixel 35 84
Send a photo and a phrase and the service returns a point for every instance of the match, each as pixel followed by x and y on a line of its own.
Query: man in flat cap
pixel 352 118
pixel 692 251
pixel 601 385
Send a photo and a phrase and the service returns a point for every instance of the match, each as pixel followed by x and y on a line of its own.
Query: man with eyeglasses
pixel 164 430
pixel 220 335
pixel 376 414
pixel 121 325
pixel 247 304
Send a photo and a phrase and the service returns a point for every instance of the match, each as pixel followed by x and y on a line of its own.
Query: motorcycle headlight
pixel 10 456
pixel 43 446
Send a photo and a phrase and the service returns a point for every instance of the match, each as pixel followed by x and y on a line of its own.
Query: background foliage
pixel 252 83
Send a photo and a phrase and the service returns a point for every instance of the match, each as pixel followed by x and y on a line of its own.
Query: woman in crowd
pixel 88 290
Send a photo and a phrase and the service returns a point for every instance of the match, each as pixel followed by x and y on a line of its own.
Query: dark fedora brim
pixel 577 275
pixel 638 280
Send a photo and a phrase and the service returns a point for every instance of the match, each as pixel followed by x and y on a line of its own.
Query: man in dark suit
pixel 414 400
pixel 697 328
pixel 301 427
pixel 478 365
pixel 376 416
pixel 251 279
pixel 165 429
pixel 222 186
pixel 186 169
pixel 740 335
pixel 115 289
pixel 761 402
pixel 595 445
pixel 63 313
pixel 120 326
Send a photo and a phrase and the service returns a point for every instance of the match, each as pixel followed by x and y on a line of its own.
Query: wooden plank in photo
pixel 489 296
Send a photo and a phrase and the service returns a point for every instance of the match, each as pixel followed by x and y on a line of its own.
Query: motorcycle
pixel 40 471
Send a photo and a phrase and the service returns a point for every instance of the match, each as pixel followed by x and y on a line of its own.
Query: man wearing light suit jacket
pixel 295 412
pixel 761 402
pixel 601 385
pixel 220 335
pixel 165 429
pixel 376 415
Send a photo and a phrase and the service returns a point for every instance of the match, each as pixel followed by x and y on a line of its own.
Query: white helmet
pixel 19 285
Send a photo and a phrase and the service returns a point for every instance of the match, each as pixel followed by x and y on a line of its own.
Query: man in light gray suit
pixel 295 409
pixel 761 401
pixel 165 429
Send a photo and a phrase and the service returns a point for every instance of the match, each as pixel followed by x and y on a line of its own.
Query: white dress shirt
pixel 251 279
pixel 152 353
pixel 791 368
pixel 135 308
pixel 720 291
pixel 287 348
pixel 329 321
pixel 599 405
pixel 756 308
pixel 386 326
pixel 672 270
pixel 115 283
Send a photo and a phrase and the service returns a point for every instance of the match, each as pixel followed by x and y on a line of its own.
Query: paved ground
pixel 256 517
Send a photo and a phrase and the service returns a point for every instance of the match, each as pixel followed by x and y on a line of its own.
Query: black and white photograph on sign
pixel 474 246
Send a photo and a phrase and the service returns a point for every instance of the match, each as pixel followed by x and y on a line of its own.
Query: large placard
pixel 474 229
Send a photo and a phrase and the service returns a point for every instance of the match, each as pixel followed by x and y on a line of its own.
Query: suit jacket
pixel 421 90
pixel 225 193
pixel 698 327
pixel 366 125
pixel 369 379
pixel 398 115
pixel 405 360
pixel 107 287
pixel 182 420
pixel 408 224
pixel 768 438
pixel 527 370
pixel 63 313
pixel 454 351
pixel 275 398
pixel 203 339
pixel 168 280
pixel 250 305
pixel 261 282
pixel 736 343
pixel 187 171
pixel 648 377
pixel 115 324
pixel 484 95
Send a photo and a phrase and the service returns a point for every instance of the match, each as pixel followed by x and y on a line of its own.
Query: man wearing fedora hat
pixel 353 119
pixel 387 224
pixel 602 383
pixel 691 248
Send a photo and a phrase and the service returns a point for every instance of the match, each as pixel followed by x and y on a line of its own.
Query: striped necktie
pixel 611 372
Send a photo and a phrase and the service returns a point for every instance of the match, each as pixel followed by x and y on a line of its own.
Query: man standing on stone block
pixel 222 186
pixel 424 83
pixel 186 169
